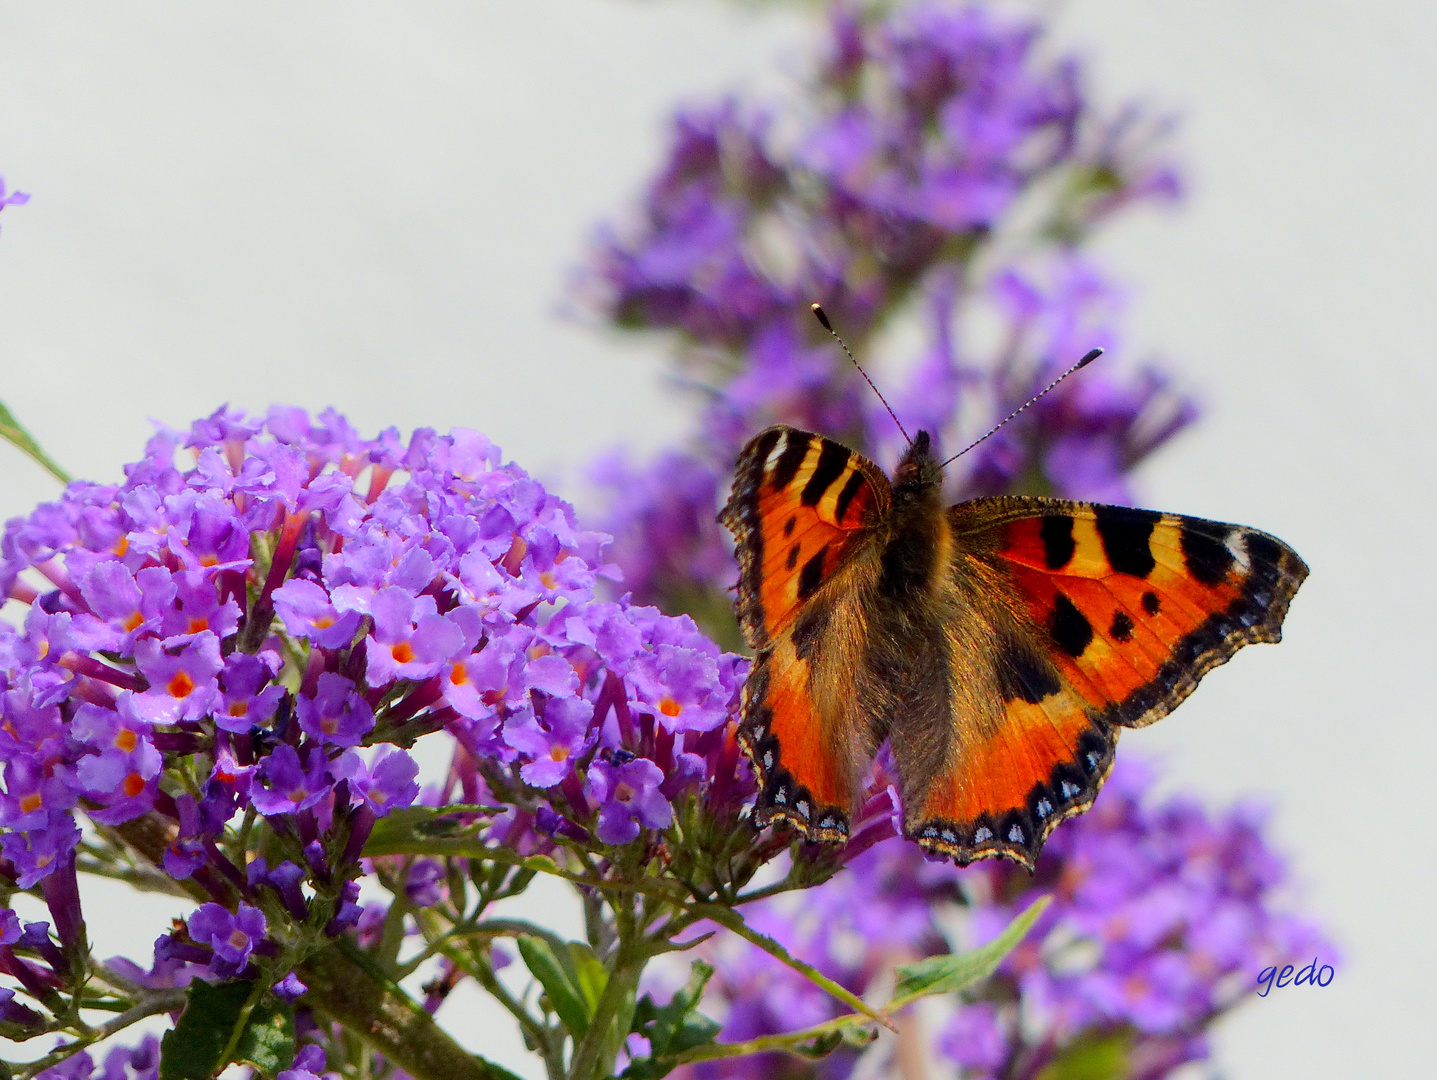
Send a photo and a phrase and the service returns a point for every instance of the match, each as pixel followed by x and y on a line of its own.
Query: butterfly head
pixel 919 476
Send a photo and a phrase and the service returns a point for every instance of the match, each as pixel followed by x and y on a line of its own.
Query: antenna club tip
pixel 822 317
pixel 1092 355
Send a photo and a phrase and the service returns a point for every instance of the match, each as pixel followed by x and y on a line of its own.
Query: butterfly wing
pixel 1087 619
pixel 805 513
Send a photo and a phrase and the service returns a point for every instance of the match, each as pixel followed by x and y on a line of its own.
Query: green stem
pixel 14 432
pixel 765 1043
pixel 598 1042
pixel 474 849
pixel 539 1035
pixel 153 1002
pixel 730 919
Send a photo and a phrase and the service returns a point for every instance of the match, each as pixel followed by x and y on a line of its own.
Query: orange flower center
pixel 670 707
pixel 402 653
pixel 181 686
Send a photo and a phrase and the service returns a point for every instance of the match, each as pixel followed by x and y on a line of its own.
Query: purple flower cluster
pixel 121 1063
pixel 888 198
pixel 1163 915
pixel 143 1063
pixel 232 628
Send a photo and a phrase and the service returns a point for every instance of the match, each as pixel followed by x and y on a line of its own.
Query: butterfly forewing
pixel 804 513
pixel 1138 605
pixel 1100 617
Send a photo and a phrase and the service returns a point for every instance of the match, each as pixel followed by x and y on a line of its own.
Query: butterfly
pixel 999 645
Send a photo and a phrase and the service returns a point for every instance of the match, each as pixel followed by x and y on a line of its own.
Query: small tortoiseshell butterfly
pixel 999 644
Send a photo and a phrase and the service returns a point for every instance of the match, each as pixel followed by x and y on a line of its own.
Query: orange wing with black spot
pixel 805 512
pixel 1089 618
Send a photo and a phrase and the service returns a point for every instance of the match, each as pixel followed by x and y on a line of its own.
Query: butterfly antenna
pixel 1092 355
pixel 822 317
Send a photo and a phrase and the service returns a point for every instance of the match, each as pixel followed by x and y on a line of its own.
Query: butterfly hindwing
pixel 803 513
pixel 1087 619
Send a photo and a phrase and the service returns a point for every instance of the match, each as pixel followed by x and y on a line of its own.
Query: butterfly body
pixel 998 645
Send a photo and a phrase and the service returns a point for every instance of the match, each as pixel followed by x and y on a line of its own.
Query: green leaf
pixel 12 431
pixel 821 1046
pixel 192 1051
pixel 953 971
pixel 195 1049
pixel 1091 1059
pixel 673 1028
pixel 416 824
pixel 565 999
pixel 267 1042
pixel 590 975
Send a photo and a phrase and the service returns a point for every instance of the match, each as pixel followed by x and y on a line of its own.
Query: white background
pixel 375 206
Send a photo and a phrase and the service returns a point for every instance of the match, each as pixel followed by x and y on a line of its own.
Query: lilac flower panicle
pixel 227 639
pixel 936 122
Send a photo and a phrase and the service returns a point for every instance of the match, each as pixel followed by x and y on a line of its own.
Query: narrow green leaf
pixel 12 431
pixel 953 971
pixel 192 1050
pixel 268 1039
pixel 590 975
pixel 565 999
pixel 821 1046
pixel 418 824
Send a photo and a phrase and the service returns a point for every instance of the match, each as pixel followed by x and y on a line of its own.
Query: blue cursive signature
pixel 1311 975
